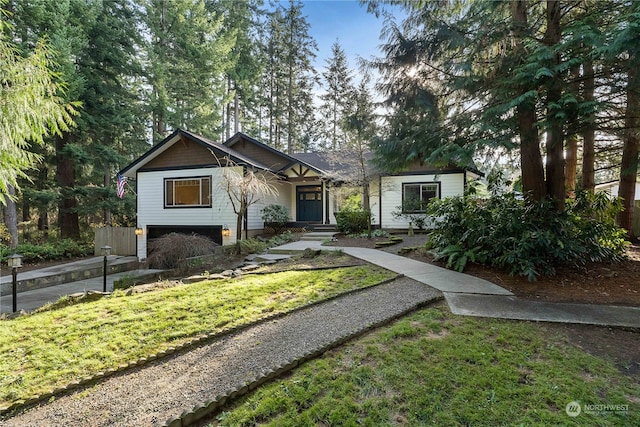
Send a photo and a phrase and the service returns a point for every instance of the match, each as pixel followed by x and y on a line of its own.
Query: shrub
pixel 171 250
pixel 413 211
pixel 250 246
pixel 275 216
pixel 352 221
pixel 527 238
pixel 66 248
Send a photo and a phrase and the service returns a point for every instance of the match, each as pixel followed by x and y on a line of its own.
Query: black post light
pixel 15 262
pixel 106 251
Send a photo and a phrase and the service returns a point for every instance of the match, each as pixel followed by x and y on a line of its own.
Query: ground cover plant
pixel 434 368
pixel 48 349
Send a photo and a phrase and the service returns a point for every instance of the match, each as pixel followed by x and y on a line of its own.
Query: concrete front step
pixel 319 236
pixel 66 273
pixel 326 227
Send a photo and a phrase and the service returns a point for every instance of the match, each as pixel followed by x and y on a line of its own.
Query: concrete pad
pixel 510 307
pixel 272 257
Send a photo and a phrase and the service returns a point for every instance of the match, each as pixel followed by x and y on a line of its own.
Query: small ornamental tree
pixel 246 189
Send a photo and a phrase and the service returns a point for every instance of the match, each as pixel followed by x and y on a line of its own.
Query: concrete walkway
pixel 471 296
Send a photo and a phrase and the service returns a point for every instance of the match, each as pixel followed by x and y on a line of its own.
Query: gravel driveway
pixel 151 395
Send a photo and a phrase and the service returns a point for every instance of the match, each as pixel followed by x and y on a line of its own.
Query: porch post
pixel 326 202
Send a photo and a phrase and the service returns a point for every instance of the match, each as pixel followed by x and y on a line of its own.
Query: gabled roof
pixel 176 136
pixel 290 159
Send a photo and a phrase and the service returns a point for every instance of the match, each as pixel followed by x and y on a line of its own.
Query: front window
pixel 416 196
pixel 187 192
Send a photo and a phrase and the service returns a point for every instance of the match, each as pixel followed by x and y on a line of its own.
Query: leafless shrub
pixel 171 251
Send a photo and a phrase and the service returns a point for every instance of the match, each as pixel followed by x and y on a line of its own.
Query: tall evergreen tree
pixel 337 98
pixel 30 110
pixel 289 77
pixel 187 59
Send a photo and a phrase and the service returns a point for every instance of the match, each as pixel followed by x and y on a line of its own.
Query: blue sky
pixel 357 31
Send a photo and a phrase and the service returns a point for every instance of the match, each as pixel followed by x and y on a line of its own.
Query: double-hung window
pixel 416 196
pixel 187 192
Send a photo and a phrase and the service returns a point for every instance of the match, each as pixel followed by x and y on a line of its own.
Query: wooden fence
pixel 121 239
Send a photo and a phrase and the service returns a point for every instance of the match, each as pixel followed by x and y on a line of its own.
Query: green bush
pixel 250 246
pixel 62 249
pixel 352 221
pixel 527 238
pixel 275 216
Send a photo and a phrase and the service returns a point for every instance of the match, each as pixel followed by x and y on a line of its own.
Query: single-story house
pixel 180 187
pixel 612 188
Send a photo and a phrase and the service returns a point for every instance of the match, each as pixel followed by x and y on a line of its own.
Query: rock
pixel 227 273
pixel 311 253
pixel 194 279
pixel 250 267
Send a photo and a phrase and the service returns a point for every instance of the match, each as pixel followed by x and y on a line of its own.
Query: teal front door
pixel 309 203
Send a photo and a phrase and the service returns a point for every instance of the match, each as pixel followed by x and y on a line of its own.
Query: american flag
pixel 122 180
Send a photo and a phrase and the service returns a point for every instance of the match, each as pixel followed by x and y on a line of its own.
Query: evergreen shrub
pixel 62 249
pixel 526 238
pixel 352 221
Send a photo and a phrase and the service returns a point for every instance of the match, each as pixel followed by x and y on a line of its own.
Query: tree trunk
pixel 555 137
pixel 11 216
pixel 240 221
pixel 629 166
pixel 65 177
pixel 236 113
pixel 107 182
pixel 571 149
pixel 228 111
pixel 589 133
pixel 530 157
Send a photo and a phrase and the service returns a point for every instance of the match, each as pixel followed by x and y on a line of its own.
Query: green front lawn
pixel 434 368
pixel 45 350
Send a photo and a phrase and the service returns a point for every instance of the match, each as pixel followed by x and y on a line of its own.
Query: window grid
pixel 173 186
pixel 422 193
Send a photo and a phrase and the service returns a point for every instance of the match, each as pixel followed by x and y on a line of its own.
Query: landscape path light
pixel 106 251
pixel 15 262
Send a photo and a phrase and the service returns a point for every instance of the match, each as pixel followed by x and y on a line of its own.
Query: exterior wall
pixel 451 184
pixel 151 210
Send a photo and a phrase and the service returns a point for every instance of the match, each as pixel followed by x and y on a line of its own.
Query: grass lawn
pixel 433 368
pixel 45 350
